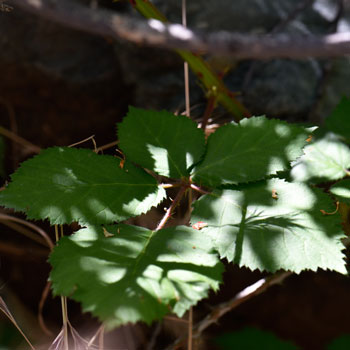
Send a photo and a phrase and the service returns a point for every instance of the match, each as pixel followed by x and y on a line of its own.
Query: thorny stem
pixel 208 111
pixel 199 189
pixel 189 205
pixel 165 186
pixel 170 210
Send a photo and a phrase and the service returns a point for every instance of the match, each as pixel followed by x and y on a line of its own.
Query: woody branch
pixel 154 33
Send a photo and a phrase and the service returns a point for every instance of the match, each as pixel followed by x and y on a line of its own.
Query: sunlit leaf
pixel 325 159
pixel 249 151
pixel 161 141
pixel 67 184
pixel 137 275
pixel 254 229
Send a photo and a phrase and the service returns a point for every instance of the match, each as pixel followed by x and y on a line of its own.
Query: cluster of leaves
pixel 248 213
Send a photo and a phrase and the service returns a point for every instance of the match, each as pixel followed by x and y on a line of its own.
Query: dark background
pixel 59 86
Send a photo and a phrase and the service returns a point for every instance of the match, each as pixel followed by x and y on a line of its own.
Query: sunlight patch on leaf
pixel 67 184
pixel 160 141
pixel 326 159
pixel 249 151
pixel 283 130
pixel 136 275
pixel 252 228
pixel 160 156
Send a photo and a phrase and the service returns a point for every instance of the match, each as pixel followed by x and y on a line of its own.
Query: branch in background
pixel 220 310
pixel 20 140
pixel 41 232
pixel 175 36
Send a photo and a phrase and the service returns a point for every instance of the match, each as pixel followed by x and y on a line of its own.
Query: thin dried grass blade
pixel 79 342
pixel 41 320
pixel 58 343
pixel 100 333
pixel 6 311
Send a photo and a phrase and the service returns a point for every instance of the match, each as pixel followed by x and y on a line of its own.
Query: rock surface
pixel 40 55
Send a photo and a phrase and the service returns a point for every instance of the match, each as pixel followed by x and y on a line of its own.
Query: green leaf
pixel 338 121
pixel 249 151
pixel 2 156
pixel 341 190
pixel 68 184
pixel 340 343
pixel 252 339
pixel 273 225
pixel 161 141
pixel 326 159
pixel 137 275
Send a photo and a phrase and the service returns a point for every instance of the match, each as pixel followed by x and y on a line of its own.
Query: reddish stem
pixel 173 205
pixel 198 189
pixel 208 111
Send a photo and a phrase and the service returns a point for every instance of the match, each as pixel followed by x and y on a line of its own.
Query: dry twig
pixel 255 289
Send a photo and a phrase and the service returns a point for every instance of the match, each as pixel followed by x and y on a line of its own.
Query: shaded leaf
pixel 341 190
pixel 340 343
pixel 249 151
pixel 338 121
pixel 324 160
pixel 161 141
pixel 67 184
pixel 137 275
pixel 253 229
pixel 2 156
